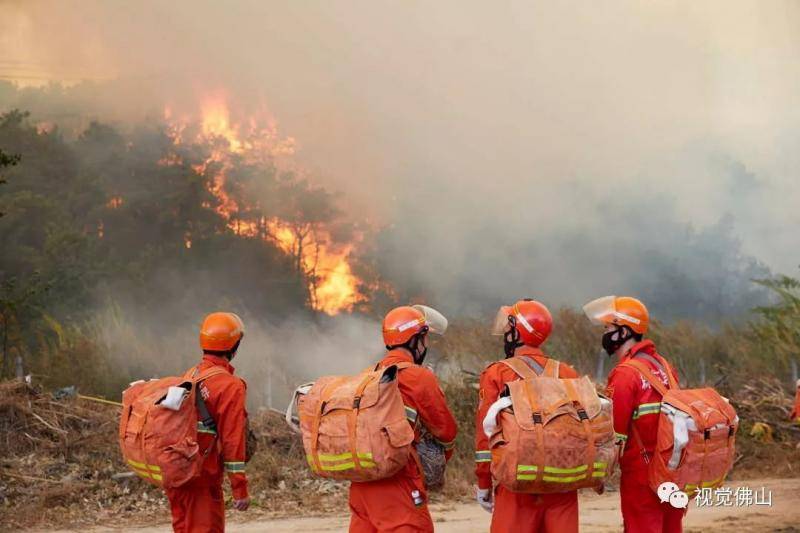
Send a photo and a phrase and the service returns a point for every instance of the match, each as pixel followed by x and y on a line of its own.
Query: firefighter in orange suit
pixel 199 506
pixel 636 411
pixel 525 326
pixel 399 503
pixel 795 416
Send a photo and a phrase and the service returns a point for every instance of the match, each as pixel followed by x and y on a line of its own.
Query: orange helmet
pixel 619 310
pixel 221 332
pixel 530 318
pixel 401 324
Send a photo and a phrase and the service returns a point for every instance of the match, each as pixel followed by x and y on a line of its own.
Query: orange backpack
pixel 159 443
pixel 696 432
pixel 557 435
pixel 354 427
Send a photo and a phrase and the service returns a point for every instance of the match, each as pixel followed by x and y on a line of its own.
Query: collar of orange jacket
pixel 218 361
pixel 647 346
pixel 398 355
pixel 529 351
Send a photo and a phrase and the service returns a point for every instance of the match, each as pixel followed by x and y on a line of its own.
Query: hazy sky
pixel 506 119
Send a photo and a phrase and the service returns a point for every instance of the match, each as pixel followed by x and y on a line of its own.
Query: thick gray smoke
pixel 556 150
pixel 274 358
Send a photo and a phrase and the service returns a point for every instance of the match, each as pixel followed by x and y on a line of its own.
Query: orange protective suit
pixel 556 513
pixel 400 503
pixel 637 406
pixel 795 416
pixel 199 505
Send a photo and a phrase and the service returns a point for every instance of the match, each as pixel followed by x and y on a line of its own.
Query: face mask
pixel 419 357
pixel 414 347
pixel 612 340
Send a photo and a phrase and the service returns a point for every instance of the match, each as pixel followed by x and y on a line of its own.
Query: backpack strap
pixel 198 377
pixel 523 368
pixel 661 363
pixel 551 368
pixel 411 414
pixel 657 384
pixel 647 374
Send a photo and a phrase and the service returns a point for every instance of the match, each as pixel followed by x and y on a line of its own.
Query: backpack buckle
pixel 537 418
pixel 582 414
pixel 356 402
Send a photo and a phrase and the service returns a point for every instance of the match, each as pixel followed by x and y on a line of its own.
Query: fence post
pixel 269 380
pixel 601 361
pixel 794 371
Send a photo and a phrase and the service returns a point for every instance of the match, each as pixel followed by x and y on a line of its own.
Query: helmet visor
pixel 501 320
pixel 436 321
pixel 601 311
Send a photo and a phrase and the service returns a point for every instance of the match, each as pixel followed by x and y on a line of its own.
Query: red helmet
pixel 402 323
pixel 531 319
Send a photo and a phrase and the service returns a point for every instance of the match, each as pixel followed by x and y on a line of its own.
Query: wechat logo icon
pixel 670 492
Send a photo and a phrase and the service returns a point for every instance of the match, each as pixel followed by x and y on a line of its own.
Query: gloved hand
pixel 485 499
pixel 241 505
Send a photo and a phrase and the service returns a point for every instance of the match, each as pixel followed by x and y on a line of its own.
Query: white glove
pixel 484 497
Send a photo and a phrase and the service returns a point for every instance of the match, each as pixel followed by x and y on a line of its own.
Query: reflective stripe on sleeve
pixel 483 456
pixel 647 409
pixel 201 428
pixel 411 415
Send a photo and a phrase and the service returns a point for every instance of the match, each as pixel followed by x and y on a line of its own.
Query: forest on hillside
pixel 117 239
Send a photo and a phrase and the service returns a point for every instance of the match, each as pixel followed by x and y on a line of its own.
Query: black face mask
pixel 419 357
pixel 413 345
pixel 511 338
pixel 612 340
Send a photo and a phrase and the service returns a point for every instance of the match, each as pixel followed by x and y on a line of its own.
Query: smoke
pixel 274 357
pixel 555 150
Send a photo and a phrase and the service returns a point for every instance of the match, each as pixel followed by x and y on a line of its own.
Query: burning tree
pixel 260 195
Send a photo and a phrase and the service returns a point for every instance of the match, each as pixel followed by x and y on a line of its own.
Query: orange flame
pixel 332 285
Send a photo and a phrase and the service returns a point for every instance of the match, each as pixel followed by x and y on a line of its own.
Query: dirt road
pixel 598 514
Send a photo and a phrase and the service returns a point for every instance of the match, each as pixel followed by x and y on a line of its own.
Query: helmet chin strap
pixel 511 338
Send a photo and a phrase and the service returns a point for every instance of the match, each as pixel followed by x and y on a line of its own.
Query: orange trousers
pixel 197 507
pixel 534 513
pixel 642 511
pixel 387 505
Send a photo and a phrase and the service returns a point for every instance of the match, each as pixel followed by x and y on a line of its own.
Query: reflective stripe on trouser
pixel 543 513
pixel 234 467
